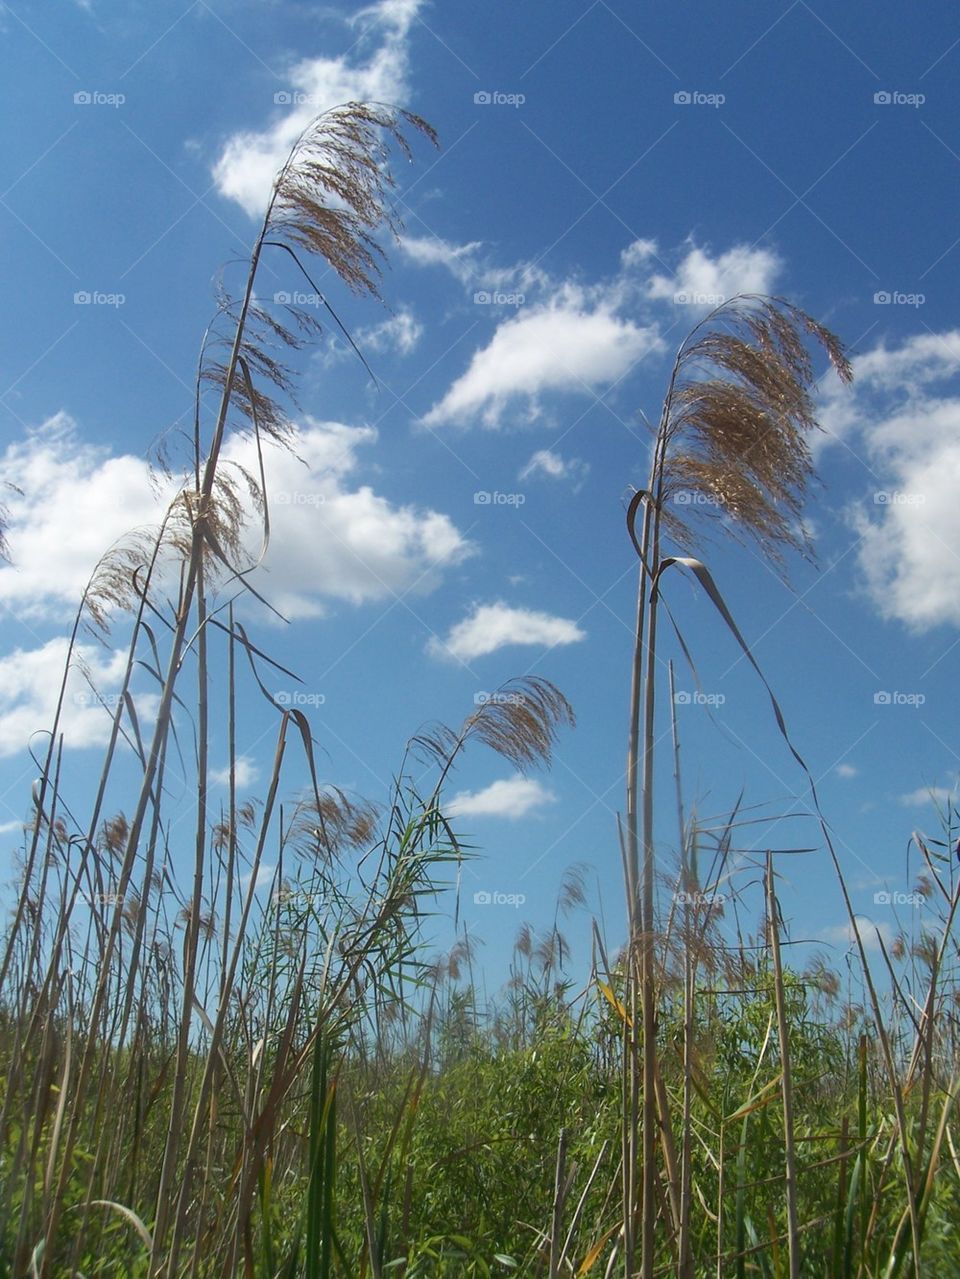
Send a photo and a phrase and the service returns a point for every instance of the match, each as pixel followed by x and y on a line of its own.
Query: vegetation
pixel 195 1084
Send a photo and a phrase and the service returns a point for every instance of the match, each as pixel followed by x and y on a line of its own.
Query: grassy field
pixel 205 1079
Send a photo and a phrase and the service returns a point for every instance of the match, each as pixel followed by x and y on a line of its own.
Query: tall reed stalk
pixel 731 439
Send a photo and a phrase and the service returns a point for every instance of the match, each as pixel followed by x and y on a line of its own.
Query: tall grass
pixel 163 1034
pixel 225 1048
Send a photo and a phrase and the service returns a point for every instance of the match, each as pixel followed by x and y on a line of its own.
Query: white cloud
pixel 847 770
pixel 30 682
pixel 573 342
pixel 401 333
pixel 925 796
pixel 246 773
pixel 75 502
pixel 512 798
pixel 329 538
pixel 265 875
pixel 843 934
pixel 556 467
pixel 638 253
pixel 493 626
pixel 473 267
pixel 250 161
pixel 572 337
pixel 459 259
pixel 7 828
pixel 907 430
pixel 704 282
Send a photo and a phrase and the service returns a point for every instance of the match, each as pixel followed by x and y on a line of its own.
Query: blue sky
pixel 605 175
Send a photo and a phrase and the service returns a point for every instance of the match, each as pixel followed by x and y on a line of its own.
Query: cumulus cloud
pixel 30 681
pixel 703 282
pixel 330 540
pixel 573 342
pixel 75 501
pixel 571 337
pixel 493 626
pixel 511 798
pixel 330 537
pixel 249 161
pixel 554 466
pixel 903 418
pixel 847 770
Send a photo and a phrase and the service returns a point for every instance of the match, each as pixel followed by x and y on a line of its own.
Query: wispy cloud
pixel 246 773
pixel 553 466
pixel 927 796
pixel 249 161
